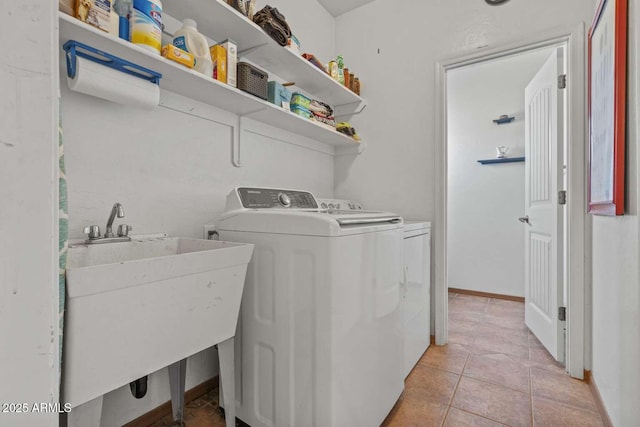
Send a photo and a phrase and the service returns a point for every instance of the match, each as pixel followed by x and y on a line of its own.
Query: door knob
pixel 524 219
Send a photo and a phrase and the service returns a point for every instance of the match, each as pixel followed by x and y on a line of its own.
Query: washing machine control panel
pixel 267 198
pixel 339 205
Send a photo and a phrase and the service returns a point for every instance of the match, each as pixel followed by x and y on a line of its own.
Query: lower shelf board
pixel 191 84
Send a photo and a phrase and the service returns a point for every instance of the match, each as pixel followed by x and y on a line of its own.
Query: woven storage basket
pixel 252 80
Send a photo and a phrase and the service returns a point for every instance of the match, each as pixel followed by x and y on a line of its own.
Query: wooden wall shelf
pixel 503 160
pixel 503 120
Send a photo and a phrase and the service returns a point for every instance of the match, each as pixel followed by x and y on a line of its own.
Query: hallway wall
pixel 616 279
pixel 485 240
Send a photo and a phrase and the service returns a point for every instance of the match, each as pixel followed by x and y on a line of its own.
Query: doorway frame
pixel 577 312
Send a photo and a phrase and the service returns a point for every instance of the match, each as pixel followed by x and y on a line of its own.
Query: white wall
pixel 399 84
pixel 616 283
pixel 485 240
pixel 28 211
pixel 171 170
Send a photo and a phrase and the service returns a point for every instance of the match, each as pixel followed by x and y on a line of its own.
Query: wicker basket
pixel 252 80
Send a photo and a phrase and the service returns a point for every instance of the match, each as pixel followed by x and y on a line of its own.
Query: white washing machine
pixel 320 332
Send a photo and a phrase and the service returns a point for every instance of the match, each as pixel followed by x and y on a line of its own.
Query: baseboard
pixel 598 398
pixel 163 410
pixel 485 294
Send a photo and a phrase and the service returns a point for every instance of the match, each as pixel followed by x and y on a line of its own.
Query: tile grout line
pixel 530 384
pixel 480 416
pixel 446 415
pixel 498 385
pixel 455 389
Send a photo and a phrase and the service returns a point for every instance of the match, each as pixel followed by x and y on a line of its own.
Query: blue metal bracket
pixel 74 49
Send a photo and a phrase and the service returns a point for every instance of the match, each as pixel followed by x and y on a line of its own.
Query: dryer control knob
pixel 284 200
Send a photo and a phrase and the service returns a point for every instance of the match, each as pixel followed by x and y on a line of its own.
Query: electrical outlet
pixel 210 232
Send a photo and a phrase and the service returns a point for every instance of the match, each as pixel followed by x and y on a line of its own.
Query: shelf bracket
pixel 343 110
pixel 254 111
pixel 236 157
pixel 352 149
pixel 235 147
pixel 251 49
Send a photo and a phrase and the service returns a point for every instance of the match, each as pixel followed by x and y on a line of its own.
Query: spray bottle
pixel 124 9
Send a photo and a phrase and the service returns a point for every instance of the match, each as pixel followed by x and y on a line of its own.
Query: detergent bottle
pixel 189 39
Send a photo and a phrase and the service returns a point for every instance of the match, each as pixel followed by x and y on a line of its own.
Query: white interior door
pixel 544 119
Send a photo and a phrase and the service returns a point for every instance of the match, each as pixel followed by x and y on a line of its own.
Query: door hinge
pixel 562 81
pixel 562 197
pixel 562 314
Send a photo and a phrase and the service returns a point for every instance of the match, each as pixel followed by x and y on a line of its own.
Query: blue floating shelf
pixel 503 160
pixel 502 121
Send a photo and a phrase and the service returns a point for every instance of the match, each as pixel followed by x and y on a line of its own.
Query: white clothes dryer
pixel 416 292
pixel 319 340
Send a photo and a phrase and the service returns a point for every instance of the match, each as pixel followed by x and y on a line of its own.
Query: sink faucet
pixel 93 231
pixel 116 210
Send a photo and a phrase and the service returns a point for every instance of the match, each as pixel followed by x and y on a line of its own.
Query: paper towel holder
pixel 74 48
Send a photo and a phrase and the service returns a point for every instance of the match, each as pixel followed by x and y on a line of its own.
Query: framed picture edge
pixel 616 205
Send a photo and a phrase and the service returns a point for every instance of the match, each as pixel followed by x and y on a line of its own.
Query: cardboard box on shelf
pixel 232 61
pixel 95 12
pixel 219 58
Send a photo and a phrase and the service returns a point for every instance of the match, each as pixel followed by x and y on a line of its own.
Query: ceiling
pixel 338 7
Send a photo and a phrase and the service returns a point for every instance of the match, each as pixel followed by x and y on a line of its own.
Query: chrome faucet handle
pixel 92 231
pixel 124 229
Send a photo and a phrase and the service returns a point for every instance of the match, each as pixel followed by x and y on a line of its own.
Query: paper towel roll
pixel 115 86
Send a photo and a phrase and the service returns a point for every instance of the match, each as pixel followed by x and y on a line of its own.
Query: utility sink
pixel 136 307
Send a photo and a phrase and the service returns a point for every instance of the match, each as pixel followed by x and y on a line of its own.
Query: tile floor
pixel 494 372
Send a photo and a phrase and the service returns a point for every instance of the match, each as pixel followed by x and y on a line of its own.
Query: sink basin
pixel 136 307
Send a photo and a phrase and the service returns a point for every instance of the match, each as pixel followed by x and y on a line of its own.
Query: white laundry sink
pixel 136 307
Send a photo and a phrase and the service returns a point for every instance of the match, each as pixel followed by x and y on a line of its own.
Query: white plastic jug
pixel 188 38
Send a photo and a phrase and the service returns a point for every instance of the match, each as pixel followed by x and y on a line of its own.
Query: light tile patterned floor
pixel 494 372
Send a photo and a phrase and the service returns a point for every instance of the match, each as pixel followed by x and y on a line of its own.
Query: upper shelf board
pixel 219 21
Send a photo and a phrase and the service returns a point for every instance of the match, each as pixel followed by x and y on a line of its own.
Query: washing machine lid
pixel 268 210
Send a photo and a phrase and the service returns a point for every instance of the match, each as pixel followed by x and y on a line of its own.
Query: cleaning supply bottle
pixel 340 62
pixel 146 28
pixel 189 39
pixel 333 69
pixel 114 21
pixel 124 9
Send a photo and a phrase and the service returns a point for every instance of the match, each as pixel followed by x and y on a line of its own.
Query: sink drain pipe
pixel 139 387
